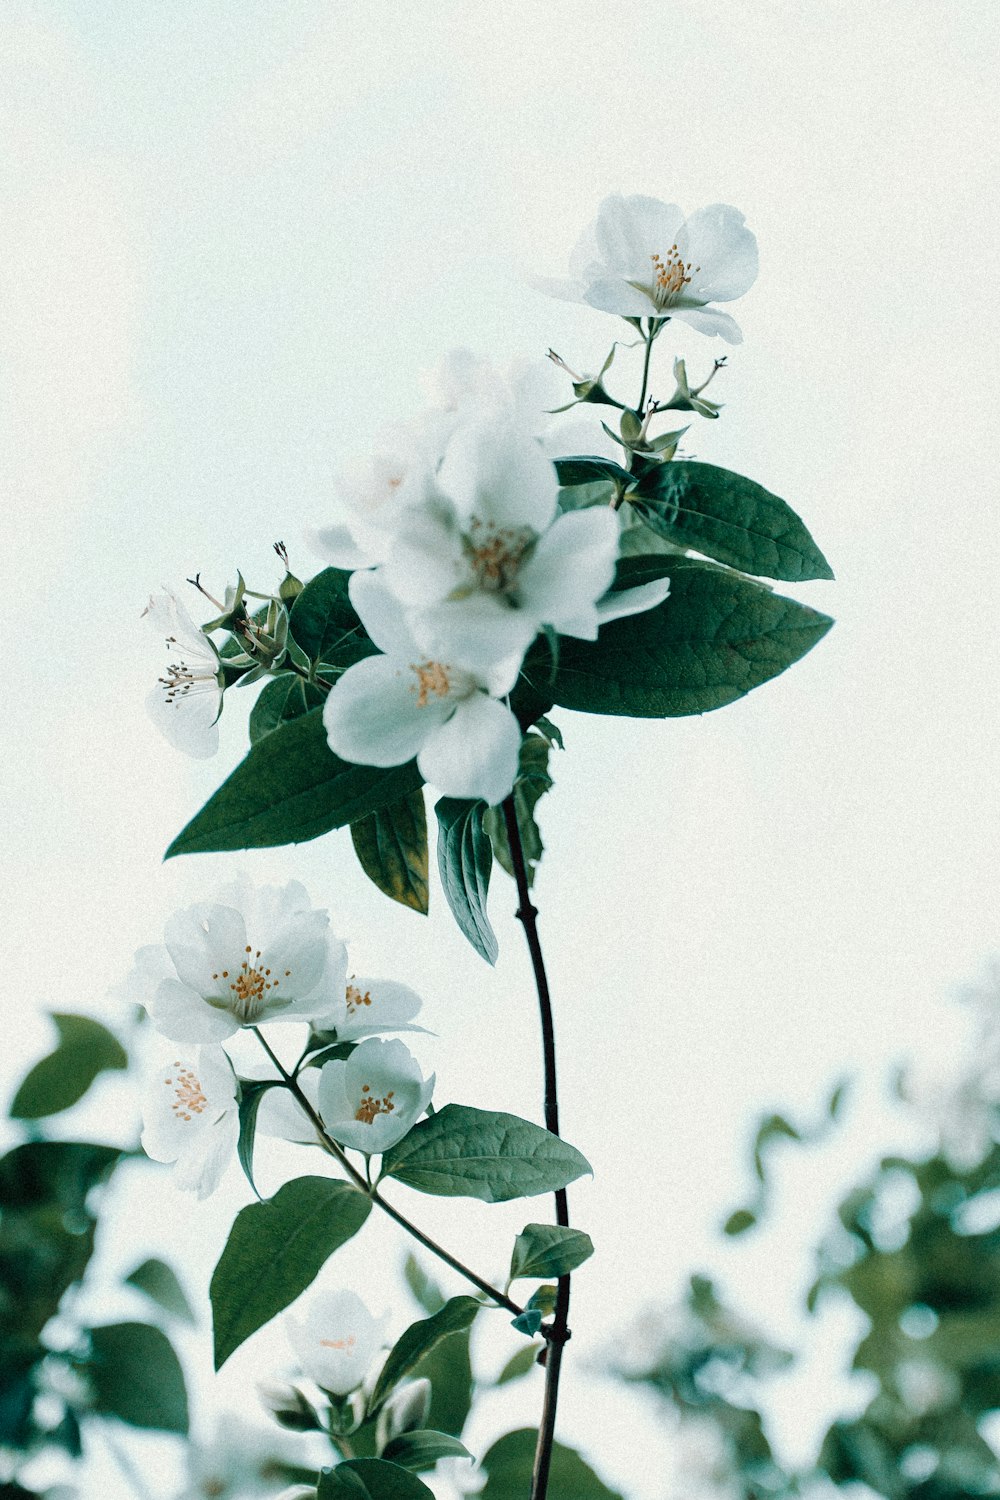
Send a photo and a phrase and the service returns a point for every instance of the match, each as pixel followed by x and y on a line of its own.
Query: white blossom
pixel 252 955
pixel 642 259
pixel 335 1338
pixel 186 702
pixel 370 1101
pixel 488 561
pixel 410 702
pixel 241 1460
pixel 191 1117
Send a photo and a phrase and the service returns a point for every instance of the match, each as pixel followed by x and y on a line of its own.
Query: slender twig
pixel 645 367
pixel 558 1332
pixel 371 1191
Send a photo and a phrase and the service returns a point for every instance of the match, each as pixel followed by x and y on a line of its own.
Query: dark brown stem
pixel 558 1333
pixel 371 1191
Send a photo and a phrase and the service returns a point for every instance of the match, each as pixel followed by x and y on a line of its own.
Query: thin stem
pixel 558 1333
pixel 645 368
pixel 371 1191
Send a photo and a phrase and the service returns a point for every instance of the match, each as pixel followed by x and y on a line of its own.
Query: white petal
pixel 629 231
pixel 189 720
pixel 615 296
pixel 375 714
pixel 480 633
pixel 334 1104
pixel 201 1168
pixel 475 754
pixel 427 558
pixel 151 964
pixel 381 613
pixel 633 601
pixel 375 1005
pixel 179 1012
pixel 718 241
pixel 202 941
pixel 280 1114
pixel 339 547
pixel 168 617
pixel 335 1338
pixel 710 321
pixel 497 475
pixel 572 566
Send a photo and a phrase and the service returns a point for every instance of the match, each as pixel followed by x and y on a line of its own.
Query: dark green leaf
pixel 250 1096
pixel 509 1464
pixel 323 615
pixel 421 1448
pixel 533 781
pixel 528 1322
pixel 85 1049
pixel 465 860
pixel 549 1250
pixel 54 1173
pixel 771 1128
pixel 739 1221
pixel 715 638
pixel 587 470
pixel 425 1290
pixel 137 1377
pixel 286 697
pixel 418 1340
pixel 520 1364
pixel 474 1153
pixel 275 1250
pixel 371 1479
pixel 289 788
pixel 729 518
pixel 156 1279
pixel 391 845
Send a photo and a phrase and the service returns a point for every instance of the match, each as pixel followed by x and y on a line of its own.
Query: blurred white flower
pixel 335 1338
pixel 186 702
pixel 190 1116
pixel 255 954
pixel 387 709
pixel 370 1101
pixel 488 561
pixel 241 1460
pixel 641 258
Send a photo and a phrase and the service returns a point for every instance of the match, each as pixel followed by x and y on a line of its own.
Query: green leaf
pixel 85 1049
pixel 424 1288
pixel 549 1250
pixel 716 637
pixel 510 1461
pixel 533 781
pixel 465 860
pixel 43 1174
pixel 391 845
pixel 250 1096
pixel 587 470
pixel 473 1153
pixel 287 696
pixel 370 1479
pixel 136 1376
pixel 275 1250
pixel 289 788
pixel 730 518
pixel 421 1448
pixel 739 1221
pixel 323 615
pixel 159 1283
pixel 771 1128
pixel 520 1364
pixel 418 1340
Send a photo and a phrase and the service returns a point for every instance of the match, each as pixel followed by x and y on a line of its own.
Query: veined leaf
pixel 85 1049
pixel 418 1340
pixel 286 696
pixel 549 1250
pixel 465 860
pixel 510 1461
pixel 391 845
pixel 475 1153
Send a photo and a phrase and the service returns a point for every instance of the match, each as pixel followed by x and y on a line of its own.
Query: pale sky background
pixel 231 237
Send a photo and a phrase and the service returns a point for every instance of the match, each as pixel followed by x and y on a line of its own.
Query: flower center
pixel 671 275
pixel 249 986
pixel 347 1344
pixel 495 553
pixel 181 678
pixel 433 681
pixel 189 1096
pixel 371 1105
pixel 355 999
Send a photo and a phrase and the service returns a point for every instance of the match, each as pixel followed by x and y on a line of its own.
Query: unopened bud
pixel 406 1410
pixel 288 1406
pixel 290 587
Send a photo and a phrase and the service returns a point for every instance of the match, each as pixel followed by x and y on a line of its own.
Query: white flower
pixel 489 561
pixel 642 259
pixel 372 497
pixel 191 1117
pixel 281 1116
pixel 241 1460
pixel 387 709
pixel 335 1340
pixel 370 1101
pixel 252 955
pixel 371 1006
pixel 186 702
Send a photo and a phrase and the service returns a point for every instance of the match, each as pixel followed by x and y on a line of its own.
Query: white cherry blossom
pixel 489 561
pixel 643 259
pixel 370 1101
pixel 411 702
pixel 335 1339
pixel 255 954
pixel 191 1117
pixel 186 702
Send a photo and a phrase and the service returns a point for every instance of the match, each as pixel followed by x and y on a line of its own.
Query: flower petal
pixel 475 754
pixel 188 720
pixel 710 321
pixel 610 294
pixel 427 559
pixel 181 1013
pixel 339 547
pixel 497 475
pixel 481 633
pixel 634 601
pixel 630 231
pixel 571 567
pixel 202 941
pixel 376 715
pixel 382 614
pixel 375 1005
pixel 725 250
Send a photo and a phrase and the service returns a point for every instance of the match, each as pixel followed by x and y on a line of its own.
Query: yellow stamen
pixel 671 275
pixel 432 681
pixel 495 553
pixel 355 999
pixel 190 1098
pixel 371 1105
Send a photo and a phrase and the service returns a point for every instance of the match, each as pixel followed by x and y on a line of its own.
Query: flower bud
pixel 406 1410
pixel 288 1406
